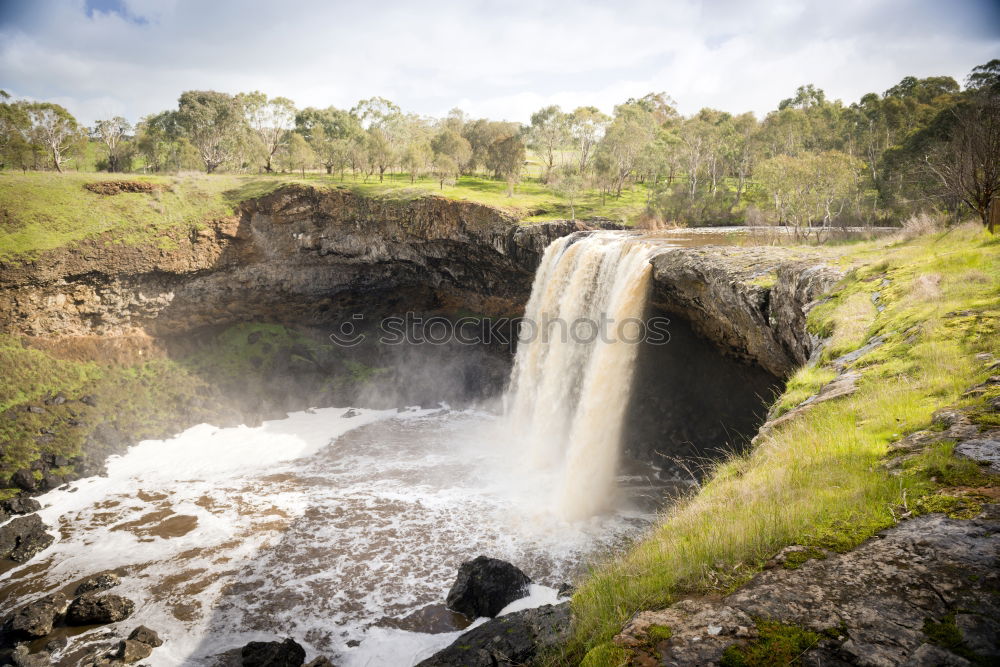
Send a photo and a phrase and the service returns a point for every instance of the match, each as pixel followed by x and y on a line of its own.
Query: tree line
pixel 923 144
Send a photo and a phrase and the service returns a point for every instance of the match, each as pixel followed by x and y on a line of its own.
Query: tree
pixel 445 169
pixel 569 183
pixel 985 77
pixel 53 129
pixel 113 133
pixel 214 123
pixel 809 188
pixel 296 154
pixel 506 159
pixel 271 120
pixel 330 132
pixel 967 163
pixel 586 127
pixel 15 127
pixel 450 143
pixel 547 134
pixel 632 129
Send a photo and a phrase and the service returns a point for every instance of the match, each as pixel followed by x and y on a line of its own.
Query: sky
pixel 497 59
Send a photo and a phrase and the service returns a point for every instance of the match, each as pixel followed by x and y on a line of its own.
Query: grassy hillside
pixel 817 480
pixel 43 210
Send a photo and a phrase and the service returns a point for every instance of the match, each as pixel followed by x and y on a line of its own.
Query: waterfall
pixel 569 393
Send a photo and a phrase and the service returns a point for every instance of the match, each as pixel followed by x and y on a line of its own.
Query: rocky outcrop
pixel 751 302
pixel 23 537
pixel 298 254
pixel 485 586
pixel 91 608
pixel 885 603
pixel 287 653
pixel 513 639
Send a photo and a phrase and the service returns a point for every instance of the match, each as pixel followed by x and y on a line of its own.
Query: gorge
pixel 343 526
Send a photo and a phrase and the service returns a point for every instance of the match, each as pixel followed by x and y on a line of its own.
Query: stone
pixel 98 582
pixel 24 479
pixel 57 644
pixel 319 661
pixel 23 537
pixel 36 619
pixel 565 590
pixel 513 639
pixel 983 451
pixel 146 636
pixel 872 602
pixel 130 650
pixel 287 653
pixel 485 586
pixel 20 505
pixel 91 609
pixel 22 658
pixel 980 634
pixel 351 412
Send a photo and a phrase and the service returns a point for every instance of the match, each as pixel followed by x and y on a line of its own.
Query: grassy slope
pixel 43 210
pixel 817 480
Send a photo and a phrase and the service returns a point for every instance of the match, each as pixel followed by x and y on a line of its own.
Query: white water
pixel 336 531
pixel 569 393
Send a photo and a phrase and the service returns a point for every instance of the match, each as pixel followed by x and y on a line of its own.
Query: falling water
pixel 573 372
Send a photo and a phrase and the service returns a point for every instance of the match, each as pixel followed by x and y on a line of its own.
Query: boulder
pixel 130 650
pixel 98 582
pixel 91 609
pixel 146 636
pixel 514 639
pixel 486 585
pixel 23 537
pixel 319 661
pixel 37 618
pixel 22 658
pixel 285 653
pixel 23 479
pixel 20 505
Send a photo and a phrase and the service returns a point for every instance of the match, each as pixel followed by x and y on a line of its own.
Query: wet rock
pixel 98 582
pixel 146 636
pixel 55 460
pixel 350 413
pixel 130 650
pixel 92 609
pixel 23 537
pixel 513 639
pixel 22 658
pixel 566 590
pixel 320 661
pixel 55 645
pixel 485 586
pixel 23 479
pixel 287 653
pixel 20 505
pixel 36 619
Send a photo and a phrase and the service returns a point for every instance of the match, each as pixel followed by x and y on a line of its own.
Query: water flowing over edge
pixel 573 372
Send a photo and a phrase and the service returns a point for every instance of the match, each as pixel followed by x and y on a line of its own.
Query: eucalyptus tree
pixel 15 126
pixel 633 127
pixel 810 188
pixel 54 130
pixel 450 143
pixel 380 119
pixel 548 134
pixel 296 154
pixel 113 134
pixel 331 133
pixel 586 127
pixel 270 119
pixel 215 125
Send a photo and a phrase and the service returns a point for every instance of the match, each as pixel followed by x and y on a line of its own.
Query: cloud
pixel 499 60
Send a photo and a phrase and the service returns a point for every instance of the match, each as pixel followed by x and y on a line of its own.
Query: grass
pixel 41 211
pixel 777 644
pixel 817 480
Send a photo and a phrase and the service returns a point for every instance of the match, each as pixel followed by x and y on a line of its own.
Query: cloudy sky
pixel 501 59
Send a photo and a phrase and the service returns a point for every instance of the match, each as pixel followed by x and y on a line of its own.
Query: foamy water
pixel 344 533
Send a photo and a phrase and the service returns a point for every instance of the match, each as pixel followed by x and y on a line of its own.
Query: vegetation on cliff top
pixel 817 480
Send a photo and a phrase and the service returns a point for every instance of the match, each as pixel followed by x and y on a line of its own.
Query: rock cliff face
pixel 751 302
pixel 301 253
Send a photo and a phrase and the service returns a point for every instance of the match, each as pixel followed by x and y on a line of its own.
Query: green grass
pixel 817 480
pixel 41 211
pixel 806 382
pixel 777 644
